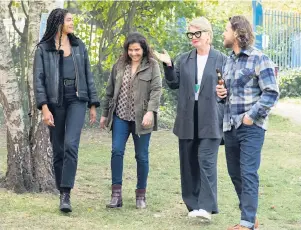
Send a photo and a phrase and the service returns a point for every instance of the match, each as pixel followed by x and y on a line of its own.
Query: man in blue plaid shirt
pixel 249 92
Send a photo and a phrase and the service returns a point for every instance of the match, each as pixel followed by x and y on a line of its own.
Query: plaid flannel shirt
pixel 252 88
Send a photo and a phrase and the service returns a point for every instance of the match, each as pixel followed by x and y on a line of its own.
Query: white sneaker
pixel 194 213
pixel 204 215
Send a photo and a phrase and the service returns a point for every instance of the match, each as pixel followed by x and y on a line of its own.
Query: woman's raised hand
pixel 163 57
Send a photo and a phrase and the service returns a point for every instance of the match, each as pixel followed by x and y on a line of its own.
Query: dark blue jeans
pixel 243 150
pixel 65 136
pixel 120 134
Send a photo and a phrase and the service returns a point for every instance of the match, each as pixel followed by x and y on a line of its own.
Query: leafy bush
pixel 290 84
pixel 167 111
pixel 167 116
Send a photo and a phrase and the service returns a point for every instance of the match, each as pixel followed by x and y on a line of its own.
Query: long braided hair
pixel 54 21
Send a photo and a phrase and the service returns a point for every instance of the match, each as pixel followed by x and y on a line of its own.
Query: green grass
pixel 280 189
pixel 293 100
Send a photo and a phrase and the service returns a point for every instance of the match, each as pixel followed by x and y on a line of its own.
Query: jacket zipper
pixel 76 71
pixel 57 76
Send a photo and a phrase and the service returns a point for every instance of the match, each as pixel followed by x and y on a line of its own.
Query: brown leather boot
pixel 239 227
pixel 256 225
pixel 116 197
pixel 140 198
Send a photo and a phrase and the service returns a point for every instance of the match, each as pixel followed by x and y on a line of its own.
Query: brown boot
pixel 140 198
pixel 116 197
pixel 239 227
pixel 256 225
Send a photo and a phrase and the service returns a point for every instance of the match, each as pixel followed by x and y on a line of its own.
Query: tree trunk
pixel 22 53
pixel 19 175
pixel 29 158
pixel 41 150
pixel 23 63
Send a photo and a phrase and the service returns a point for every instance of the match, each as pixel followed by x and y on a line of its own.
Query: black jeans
pixel 65 136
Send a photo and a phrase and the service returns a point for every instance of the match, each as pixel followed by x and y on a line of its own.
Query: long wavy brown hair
pixel 243 31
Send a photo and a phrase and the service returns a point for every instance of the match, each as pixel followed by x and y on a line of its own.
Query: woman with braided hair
pixel 64 86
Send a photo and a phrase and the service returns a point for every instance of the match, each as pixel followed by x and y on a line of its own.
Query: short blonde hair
pixel 204 25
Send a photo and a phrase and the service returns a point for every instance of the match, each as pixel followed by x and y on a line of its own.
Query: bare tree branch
pixel 111 15
pixel 13 19
pixel 130 18
pixel 24 10
pixel 91 33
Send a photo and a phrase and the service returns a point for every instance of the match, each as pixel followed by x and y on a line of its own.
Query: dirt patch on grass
pixel 289 109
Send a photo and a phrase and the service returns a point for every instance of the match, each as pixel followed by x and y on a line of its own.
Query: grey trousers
pixel 198 167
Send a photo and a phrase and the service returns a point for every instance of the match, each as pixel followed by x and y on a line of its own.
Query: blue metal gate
pixel 278 34
pixel 282 38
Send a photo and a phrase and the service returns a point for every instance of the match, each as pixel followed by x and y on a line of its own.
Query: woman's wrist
pixel 45 107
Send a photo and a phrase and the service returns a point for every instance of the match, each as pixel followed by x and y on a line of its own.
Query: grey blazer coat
pixel 210 112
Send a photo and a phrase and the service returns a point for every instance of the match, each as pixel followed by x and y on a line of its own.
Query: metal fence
pixel 281 38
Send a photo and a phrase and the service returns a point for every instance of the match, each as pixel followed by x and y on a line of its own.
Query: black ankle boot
pixel 65 205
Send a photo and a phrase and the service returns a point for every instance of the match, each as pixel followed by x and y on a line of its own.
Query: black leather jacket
pixel 48 84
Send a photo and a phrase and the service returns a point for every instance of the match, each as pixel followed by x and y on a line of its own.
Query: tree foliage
pixel 104 25
pixel 111 21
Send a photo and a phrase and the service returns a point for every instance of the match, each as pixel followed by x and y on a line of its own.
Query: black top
pixel 69 69
pixel 46 55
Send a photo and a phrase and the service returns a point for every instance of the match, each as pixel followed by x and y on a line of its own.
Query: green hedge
pixel 290 84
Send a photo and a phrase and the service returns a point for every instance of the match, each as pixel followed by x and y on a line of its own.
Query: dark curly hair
pixel 243 31
pixel 132 38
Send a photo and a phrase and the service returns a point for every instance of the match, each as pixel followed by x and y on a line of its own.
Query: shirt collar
pixel 246 51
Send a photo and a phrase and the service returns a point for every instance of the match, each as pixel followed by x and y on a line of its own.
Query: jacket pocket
pixel 145 110
pixel 145 105
pixel 145 76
